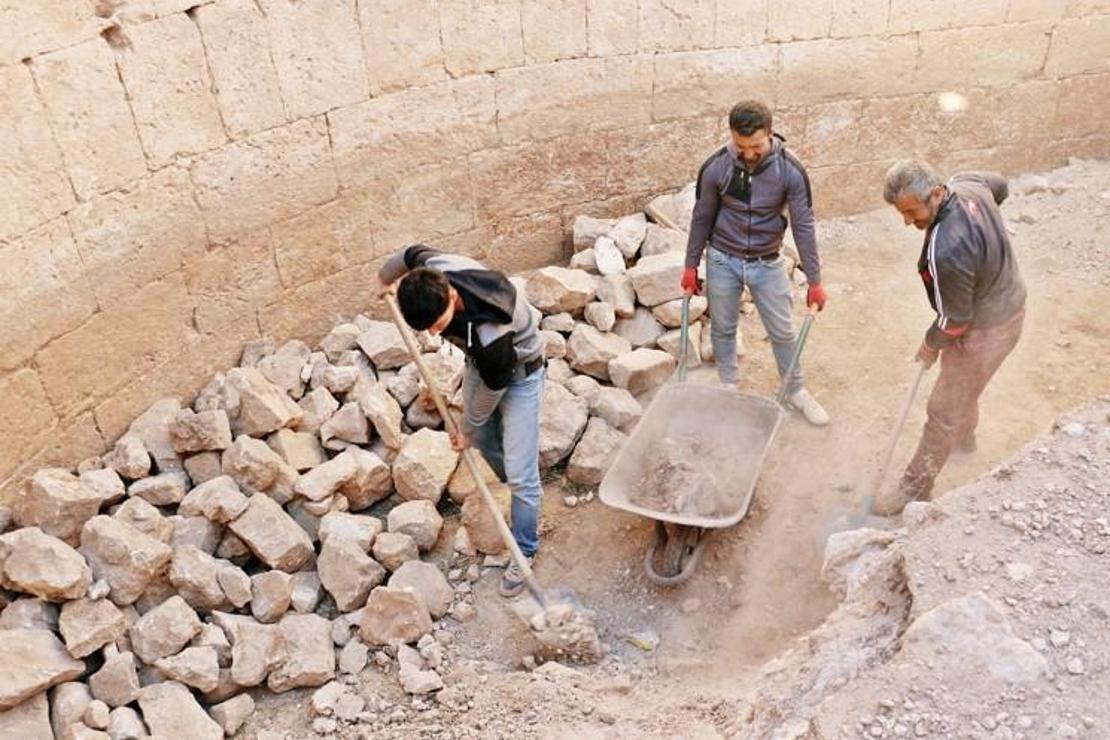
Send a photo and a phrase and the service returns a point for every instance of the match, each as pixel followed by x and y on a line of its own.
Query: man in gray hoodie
pixel 481 312
pixel 742 192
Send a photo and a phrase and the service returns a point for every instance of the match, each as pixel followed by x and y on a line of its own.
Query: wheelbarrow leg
pixel 682 549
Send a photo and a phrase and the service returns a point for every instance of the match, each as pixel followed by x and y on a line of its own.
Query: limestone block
pixel 34 660
pixel 56 501
pixel 384 413
pixel 129 457
pixel 317 406
pixel 310 655
pixel 590 351
pixel 608 258
pixel 261 407
pixel 480 36
pixel 641 369
pixel 324 240
pixel 659 240
pixel 124 722
pixel 610 29
pixel 153 427
pixel 398 203
pixel 676 24
pixel 480 526
pixel 218 499
pixel 426 580
pixel 169 709
pixel 33 29
pixel 29 720
pixel 122 555
pixel 107 484
pixel 392 549
pixel 583 386
pixel 1078 46
pixel 88 625
pixel 90 117
pixel 394 614
pixel 585 260
pixel 859 18
pixel 347 572
pixel 30 614
pixel 669 314
pixel 231 714
pixel 594 452
pixel 691 83
pixel 195 576
pixel 419 520
pixel 553 30
pixel 658 279
pixel 321 70
pixel 424 465
pixel 25 406
pixel 462 483
pixel 562 420
pixel 164 630
pixel 402 43
pixel 348 425
pixel 600 315
pixel 164 489
pixel 68 702
pixel 301 450
pixel 881 66
pixel 256 649
pixel 618 407
pixel 671 343
pixel 793 20
pixel 36 563
pixel 306 591
pixel 238 48
pixel 194 666
pixel 116 683
pixel 196 531
pixel 235 584
pixel 272 535
pixel 617 291
pixel 382 343
pixel 231 283
pixel 166 76
pixel 266 177
pixel 258 469
pixel 271 595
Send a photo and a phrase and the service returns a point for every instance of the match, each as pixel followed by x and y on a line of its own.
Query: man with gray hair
pixel 972 281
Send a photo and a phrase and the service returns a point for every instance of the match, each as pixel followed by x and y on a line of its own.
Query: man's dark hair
pixel 423 295
pixel 748 116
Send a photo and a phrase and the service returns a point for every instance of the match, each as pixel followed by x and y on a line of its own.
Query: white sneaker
pixel 814 413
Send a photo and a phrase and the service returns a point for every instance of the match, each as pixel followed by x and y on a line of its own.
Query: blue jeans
pixel 510 442
pixel 773 295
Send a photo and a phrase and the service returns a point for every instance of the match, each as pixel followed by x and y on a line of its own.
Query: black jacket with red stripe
pixel 967 265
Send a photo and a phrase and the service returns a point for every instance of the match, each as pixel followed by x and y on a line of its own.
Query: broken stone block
pixel 353 657
pixel 428 581
pixel 198 667
pixel 562 419
pixel 153 428
pixel 554 345
pixel 563 323
pixel 641 369
pixel 124 723
pixel 424 466
pixel 196 531
pixel 203 467
pixel 145 517
pixel 219 500
pixel 600 316
pixel 235 584
pixel 418 416
pixel 310 657
pixel 357 528
pixel 193 432
pixel 34 614
pixel 256 649
pixel 33 562
pixel 129 457
pixel 642 330
pixel 671 343
pixel 164 489
pixel 628 234
pixel 404 385
pixel 68 702
pixel 339 379
pixel 595 452
pixel 164 630
pixel 300 450
pixel 271 593
pixel 391 549
pixel 558 371
pixel 584 387
pixel 607 256
pixel 347 572
pixel 658 279
pixel 384 413
pixel 56 502
pixel 196 577
pixel 557 289
pixel 382 343
pixel 231 714
pixel 29 720
pixel 617 291
pixel 272 535
pixel 96 715
pixel 446 367
pixel 348 424
pixel 587 229
pixel 462 483
pixel 618 407
pixel 394 614
pixel 419 520
pixel 283 367
pixel 123 556
pixel 170 710
pixel 585 260
pixel 211 636
pixel 255 350
pixel 258 469
pixel 590 351
pixel 117 682
pixel 480 526
pixel 306 591
pixel 316 406
pixel 358 474
pixel 107 484
pixel 33 660
pixel 669 314
pixel 87 625
pixel 341 338
pixel 261 407
pixel 659 239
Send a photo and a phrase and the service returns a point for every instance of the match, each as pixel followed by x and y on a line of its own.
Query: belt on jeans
pixel 760 257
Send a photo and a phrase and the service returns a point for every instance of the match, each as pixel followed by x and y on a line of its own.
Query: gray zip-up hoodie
pixel 741 213
pixel 497 328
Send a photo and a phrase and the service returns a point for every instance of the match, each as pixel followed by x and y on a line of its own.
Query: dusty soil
pixel 760 587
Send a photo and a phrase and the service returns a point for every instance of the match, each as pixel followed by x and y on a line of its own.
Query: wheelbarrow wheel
pixel 681 547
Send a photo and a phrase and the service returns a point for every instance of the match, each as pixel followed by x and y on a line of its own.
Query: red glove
pixel 926 355
pixel 690 283
pixel 816 296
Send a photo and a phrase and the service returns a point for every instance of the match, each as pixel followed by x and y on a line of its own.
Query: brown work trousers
pixel 953 410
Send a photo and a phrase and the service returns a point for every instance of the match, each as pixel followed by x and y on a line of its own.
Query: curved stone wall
pixel 183 175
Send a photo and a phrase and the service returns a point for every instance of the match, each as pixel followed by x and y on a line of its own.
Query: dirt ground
pixel 759 588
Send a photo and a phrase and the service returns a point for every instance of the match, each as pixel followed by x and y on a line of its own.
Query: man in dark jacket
pixel 481 311
pixel 742 192
pixel 972 281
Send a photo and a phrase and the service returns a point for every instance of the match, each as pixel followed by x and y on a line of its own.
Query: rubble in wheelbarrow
pixel 285 529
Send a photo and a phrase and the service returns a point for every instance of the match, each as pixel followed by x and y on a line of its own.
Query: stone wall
pixel 183 175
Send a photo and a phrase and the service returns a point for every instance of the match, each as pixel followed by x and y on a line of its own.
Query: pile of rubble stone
pixel 215 548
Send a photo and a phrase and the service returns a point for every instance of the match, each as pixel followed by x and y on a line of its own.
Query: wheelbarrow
pixel 735 431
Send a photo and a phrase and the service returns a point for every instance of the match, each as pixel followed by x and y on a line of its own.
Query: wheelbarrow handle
pixel 799 345
pixel 684 339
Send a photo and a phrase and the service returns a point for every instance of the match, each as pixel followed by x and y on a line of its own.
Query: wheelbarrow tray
pixel 739 427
